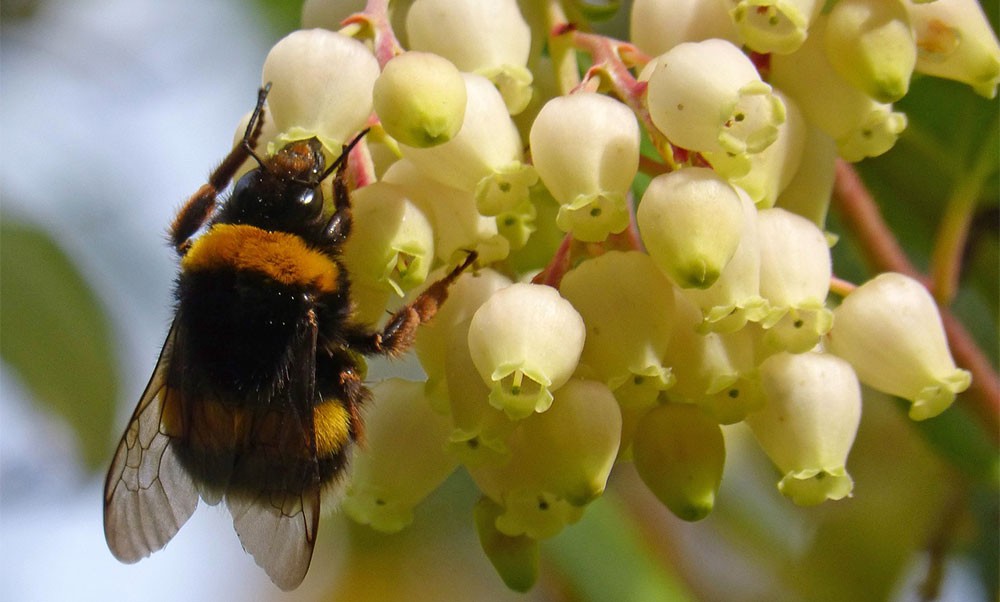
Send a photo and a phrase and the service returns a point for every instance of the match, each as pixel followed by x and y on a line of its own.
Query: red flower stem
pixel 860 214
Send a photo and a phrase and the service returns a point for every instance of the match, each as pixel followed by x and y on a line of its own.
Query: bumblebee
pixel 256 397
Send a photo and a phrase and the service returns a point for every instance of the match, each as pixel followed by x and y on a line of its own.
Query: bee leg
pixel 397 335
pixel 200 206
pixel 339 227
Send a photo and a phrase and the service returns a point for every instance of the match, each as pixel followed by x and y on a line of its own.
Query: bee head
pixel 301 161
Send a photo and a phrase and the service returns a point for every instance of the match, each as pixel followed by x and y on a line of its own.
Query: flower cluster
pixel 613 315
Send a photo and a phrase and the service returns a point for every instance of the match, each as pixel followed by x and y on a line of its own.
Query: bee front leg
pixel 338 228
pixel 201 205
pixel 397 335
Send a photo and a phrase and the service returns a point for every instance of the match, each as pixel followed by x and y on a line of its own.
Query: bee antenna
pixel 343 154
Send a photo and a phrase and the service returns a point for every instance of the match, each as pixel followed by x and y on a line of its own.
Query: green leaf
pixel 604 557
pixel 54 332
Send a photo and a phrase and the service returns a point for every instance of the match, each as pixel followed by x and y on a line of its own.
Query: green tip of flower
pixel 813 487
pixel 514 558
pixel 936 398
pixel 694 510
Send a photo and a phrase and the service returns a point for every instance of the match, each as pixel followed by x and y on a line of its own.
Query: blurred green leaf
pixel 603 557
pixel 54 332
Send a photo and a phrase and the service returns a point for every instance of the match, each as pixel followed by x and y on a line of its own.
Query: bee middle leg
pixel 397 335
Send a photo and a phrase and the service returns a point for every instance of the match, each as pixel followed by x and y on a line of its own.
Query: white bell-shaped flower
pixel 627 306
pixel 420 99
pixel 525 342
pixel 485 157
pixel 955 41
pixel 321 85
pixel 871 45
pixel 795 271
pixel 708 96
pixel 560 461
pixel 691 221
pixel 861 126
pixel 392 242
pixel 458 226
pixel 808 423
pixel 585 147
pixel 774 26
pixel 734 298
pixel 656 26
pixel 890 330
pixel 488 38
pixel 403 459
pixel 679 453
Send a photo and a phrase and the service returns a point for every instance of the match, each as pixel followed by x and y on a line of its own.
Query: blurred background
pixel 112 112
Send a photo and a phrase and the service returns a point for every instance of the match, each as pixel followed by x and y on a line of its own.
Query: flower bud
pixel 458 226
pixel 560 461
pixel 585 147
pixel 808 424
pixel 515 558
pixel 861 126
pixel 890 330
pixel 488 38
pixel 525 341
pixel 691 221
pixel 392 243
pixel 627 306
pixel 420 99
pixel 656 26
pixel 708 96
pixel 734 298
pixel 955 41
pixel 403 459
pixel 871 45
pixel 486 155
pixel 679 453
pixel 774 26
pixel 321 85
pixel 795 271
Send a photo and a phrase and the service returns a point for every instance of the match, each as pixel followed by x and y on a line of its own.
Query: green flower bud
pixel 627 306
pixel 871 45
pixel 560 461
pixel 774 26
pixel 708 96
pixel 679 453
pixel 585 147
pixel 656 26
pixel 955 41
pixel 515 558
pixel 691 221
pixel 809 192
pixel 861 126
pixel 795 271
pixel 734 298
pixel 420 99
pixel 321 85
pixel 403 459
pixel 890 330
pixel 809 423
pixel 458 226
pixel 392 242
pixel 488 38
pixel 525 341
pixel 485 157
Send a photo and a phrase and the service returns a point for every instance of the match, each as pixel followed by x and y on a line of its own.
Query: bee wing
pixel 148 495
pixel 277 523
